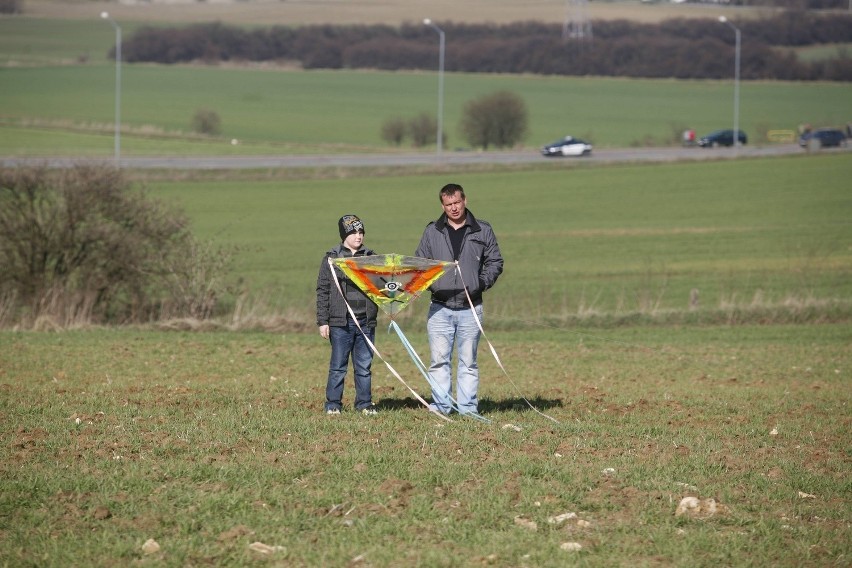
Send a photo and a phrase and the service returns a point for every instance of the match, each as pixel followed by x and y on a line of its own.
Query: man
pixel 458 236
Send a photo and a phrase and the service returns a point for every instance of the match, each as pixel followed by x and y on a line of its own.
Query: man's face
pixel 454 206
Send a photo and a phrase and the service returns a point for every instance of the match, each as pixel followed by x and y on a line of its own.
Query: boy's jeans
pixel 445 327
pixel 345 341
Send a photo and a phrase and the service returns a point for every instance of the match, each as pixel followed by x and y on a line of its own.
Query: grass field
pixel 208 443
pixel 58 98
pixel 344 110
pixel 749 235
pixel 213 444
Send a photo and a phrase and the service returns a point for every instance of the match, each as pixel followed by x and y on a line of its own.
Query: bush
pixel 206 121
pixel 80 246
pixel 393 131
pixel 499 119
pixel 423 129
pixel 11 6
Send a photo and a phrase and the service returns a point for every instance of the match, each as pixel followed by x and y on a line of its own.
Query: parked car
pixel 722 138
pixel 568 146
pixel 823 138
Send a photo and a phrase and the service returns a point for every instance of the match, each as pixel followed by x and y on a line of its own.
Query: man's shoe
pixel 332 411
pixel 369 411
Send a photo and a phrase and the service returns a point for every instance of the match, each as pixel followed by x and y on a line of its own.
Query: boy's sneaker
pixel 332 411
pixel 369 411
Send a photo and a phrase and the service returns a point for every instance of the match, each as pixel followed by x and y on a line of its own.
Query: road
pixel 449 158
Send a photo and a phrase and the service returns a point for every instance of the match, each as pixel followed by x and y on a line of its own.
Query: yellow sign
pixel 781 136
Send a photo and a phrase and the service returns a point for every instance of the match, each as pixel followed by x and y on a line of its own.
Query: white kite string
pixel 493 351
pixel 373 347
pixel 421 366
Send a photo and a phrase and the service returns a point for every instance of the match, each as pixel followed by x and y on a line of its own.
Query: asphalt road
pixel 601 156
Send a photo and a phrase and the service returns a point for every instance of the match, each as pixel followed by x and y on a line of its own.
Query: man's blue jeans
pixel 448 327
pixel 346 341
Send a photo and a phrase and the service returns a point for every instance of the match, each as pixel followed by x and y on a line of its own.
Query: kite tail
pixel 376 351
pixel 494 352
pixel 425 372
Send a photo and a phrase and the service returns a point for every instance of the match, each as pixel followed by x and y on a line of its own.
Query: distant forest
pixel 679 48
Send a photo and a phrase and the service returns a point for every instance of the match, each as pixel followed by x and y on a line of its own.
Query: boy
pixel 335 322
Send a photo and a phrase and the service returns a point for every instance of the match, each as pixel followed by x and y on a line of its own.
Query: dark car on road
pixel 822 138
pixel 721 138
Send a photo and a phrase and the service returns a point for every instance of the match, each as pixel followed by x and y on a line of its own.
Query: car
pixel 568 146
pixel 822 138
pixel 722 138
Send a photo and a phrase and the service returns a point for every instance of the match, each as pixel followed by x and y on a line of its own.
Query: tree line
pixel 680 48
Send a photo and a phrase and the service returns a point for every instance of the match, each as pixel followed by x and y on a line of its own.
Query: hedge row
pixel 681 48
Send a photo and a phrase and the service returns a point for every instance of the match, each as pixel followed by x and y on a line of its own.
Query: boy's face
pixel 353 241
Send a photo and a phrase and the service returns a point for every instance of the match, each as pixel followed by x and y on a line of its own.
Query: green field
pixel 210 442
pixel 578 241
pixel 344 110
pixel 59 91
pixel 649 309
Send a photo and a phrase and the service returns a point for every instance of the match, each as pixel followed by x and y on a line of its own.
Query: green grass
pixel 348 107
pixel 578 241
pixel 823 52
pixel 209 442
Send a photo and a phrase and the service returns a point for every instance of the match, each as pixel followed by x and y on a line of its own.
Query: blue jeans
pixel 447 327
pixel 346 341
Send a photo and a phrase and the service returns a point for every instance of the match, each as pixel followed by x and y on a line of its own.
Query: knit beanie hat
pixel 349 224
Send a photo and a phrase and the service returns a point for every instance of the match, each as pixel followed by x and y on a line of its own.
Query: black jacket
pixel 479 259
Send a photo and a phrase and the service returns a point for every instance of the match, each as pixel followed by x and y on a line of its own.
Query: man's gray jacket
pixel 479 259
pixel 331 309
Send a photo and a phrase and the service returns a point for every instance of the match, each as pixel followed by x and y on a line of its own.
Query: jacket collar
pixel 341 250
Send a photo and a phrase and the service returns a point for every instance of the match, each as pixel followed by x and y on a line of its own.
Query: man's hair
pixel 449 190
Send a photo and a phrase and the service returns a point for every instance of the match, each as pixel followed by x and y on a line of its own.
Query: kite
pixel 393 281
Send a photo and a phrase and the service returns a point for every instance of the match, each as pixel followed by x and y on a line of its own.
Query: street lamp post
pixel 724 20
pixel 105 16
pixel 429 23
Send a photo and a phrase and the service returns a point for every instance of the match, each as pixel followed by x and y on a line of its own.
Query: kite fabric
pixel 392 280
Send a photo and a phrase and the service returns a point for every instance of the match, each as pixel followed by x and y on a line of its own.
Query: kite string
pixel 373 347
pixel 493 351
pixel 421 366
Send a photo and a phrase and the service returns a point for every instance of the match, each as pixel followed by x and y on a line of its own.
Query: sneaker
pixel 369 411
pixel 332 411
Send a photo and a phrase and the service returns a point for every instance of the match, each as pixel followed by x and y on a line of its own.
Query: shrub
pixel 206 121
pixel 499 119
pixel 423 129
pixel 393 131
pixel 81 246
pixel 11 6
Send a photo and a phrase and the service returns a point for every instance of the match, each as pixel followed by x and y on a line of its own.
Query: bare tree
pixel 81 244
pixel 499 119
pixel 393 131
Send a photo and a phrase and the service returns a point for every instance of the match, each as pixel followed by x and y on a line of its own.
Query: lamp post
pixel 105 16
pixel 429 23
pixel 724 20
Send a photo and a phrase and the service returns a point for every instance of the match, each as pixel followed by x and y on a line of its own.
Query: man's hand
pixel 323 329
